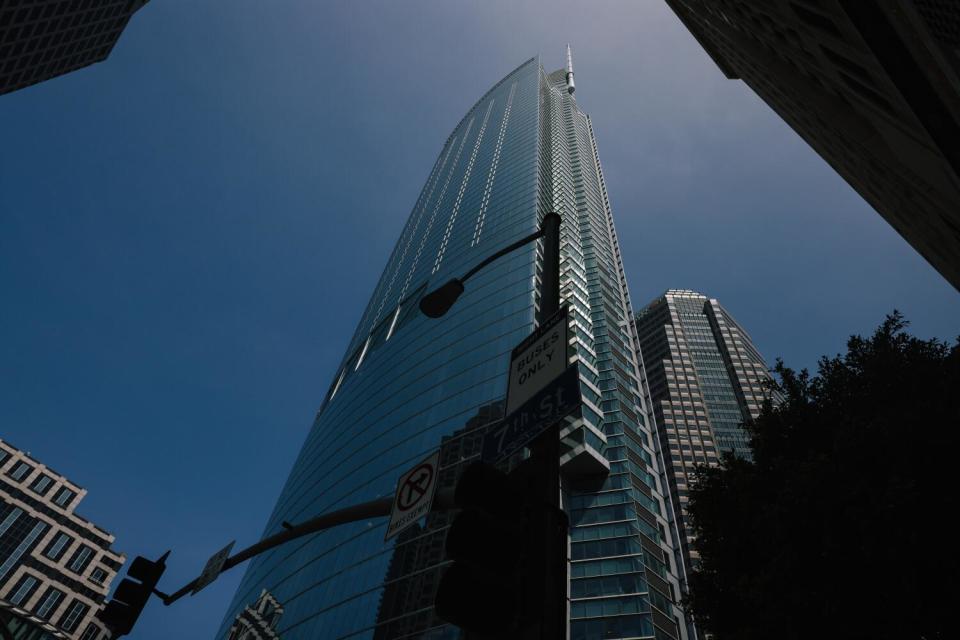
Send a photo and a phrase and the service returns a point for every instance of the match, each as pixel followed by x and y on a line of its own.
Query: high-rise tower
pixel 873 86
pixel 44 39
pixel 408 385
pixel 706 379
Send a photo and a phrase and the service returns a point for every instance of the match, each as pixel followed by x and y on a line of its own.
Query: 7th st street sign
pixel 536 415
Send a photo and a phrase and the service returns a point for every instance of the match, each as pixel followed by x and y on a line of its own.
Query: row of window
pixel 81 557
pixel 634 626
pixel 608 607
pixel 55 550
pixel 405 311
pixel 41 484
pixel 47 11
pixel 47 605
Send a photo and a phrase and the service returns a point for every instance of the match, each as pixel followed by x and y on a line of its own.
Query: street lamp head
pixel 436 303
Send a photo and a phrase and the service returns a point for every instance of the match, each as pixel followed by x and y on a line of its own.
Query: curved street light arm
pixel 536 235
pixel 436 303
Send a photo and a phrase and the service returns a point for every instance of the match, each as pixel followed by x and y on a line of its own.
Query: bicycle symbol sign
pixel 414 495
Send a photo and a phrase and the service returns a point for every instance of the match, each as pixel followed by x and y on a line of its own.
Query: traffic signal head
pixel 492 543
pixel 131 595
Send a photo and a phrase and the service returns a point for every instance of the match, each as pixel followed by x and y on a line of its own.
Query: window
pixel 23 590
pixel 92 632
pixel 64 497
pixel 379 334
pixel 41 484
pixel 393 323
pixel 363 352
pixel 10 519
pixel 48 604
pixel 409 309
pixel 3 456
pixel 58 546
pixel 20 470
pixel 14 557
pixel 81 559
pixel 73 615
pixel 98 575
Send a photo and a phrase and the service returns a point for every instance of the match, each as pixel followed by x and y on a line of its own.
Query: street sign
pixel 544 410
pixel 213 568
pixel 414 495
pixel 538 360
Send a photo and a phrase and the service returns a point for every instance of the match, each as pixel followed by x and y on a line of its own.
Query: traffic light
pixel 131 595
pixel 500 546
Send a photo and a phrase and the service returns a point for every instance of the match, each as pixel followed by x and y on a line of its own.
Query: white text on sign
pixel 537 361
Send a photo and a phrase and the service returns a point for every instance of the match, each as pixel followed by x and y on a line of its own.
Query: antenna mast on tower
pixel 570 86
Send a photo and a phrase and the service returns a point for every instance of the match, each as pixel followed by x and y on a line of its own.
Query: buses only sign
pixel 538 360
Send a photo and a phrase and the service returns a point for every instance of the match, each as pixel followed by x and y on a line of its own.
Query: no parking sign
pixel 414 495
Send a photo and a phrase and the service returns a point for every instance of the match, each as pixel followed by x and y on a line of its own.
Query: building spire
pixel 570 86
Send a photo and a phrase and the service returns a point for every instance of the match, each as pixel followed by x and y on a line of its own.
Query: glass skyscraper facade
pixel 409 385
pixel 706 379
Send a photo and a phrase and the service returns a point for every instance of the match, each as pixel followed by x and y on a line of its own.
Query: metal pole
pixel 550 278
pixel 372 509
pixel 547 449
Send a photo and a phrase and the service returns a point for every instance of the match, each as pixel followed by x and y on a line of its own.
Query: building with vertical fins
pixel 55 566
pixel 408 385
pixel 706 380
pixel 873 87
pixel 42 39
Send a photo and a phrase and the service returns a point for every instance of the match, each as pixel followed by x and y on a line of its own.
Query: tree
pixel 842 524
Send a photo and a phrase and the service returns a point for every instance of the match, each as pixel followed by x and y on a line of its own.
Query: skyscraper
pixel 42 39
pixel 408 385
pixel 55 566
pixel 873 87
pixel 706 379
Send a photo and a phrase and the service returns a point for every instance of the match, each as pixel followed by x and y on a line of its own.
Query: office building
pixel 408 384
pixel 258 621
pixel 873 87
pixel 42 39
pixel 706 380
pixel 55 566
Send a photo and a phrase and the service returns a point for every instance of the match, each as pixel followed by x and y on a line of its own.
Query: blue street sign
pixel 544 410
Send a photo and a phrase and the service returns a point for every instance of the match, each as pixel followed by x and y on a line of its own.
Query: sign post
pixel 414 495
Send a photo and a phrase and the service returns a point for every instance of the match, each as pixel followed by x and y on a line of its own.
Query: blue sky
pixel 190 230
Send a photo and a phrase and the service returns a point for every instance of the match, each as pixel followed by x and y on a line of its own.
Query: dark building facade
pixel 873 87
pixel 706 379
pixel 42 39
pixel 409 385
pixel 55 566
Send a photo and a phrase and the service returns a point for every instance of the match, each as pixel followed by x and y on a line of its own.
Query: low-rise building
pixel 55 565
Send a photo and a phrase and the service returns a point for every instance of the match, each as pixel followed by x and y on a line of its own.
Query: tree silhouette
pixel 840 526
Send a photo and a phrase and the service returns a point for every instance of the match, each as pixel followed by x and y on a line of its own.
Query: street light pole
pixel 550 279
pixel 545 450
pixel 545 453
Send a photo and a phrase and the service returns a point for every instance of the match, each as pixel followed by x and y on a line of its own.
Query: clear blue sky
pixel 190 230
